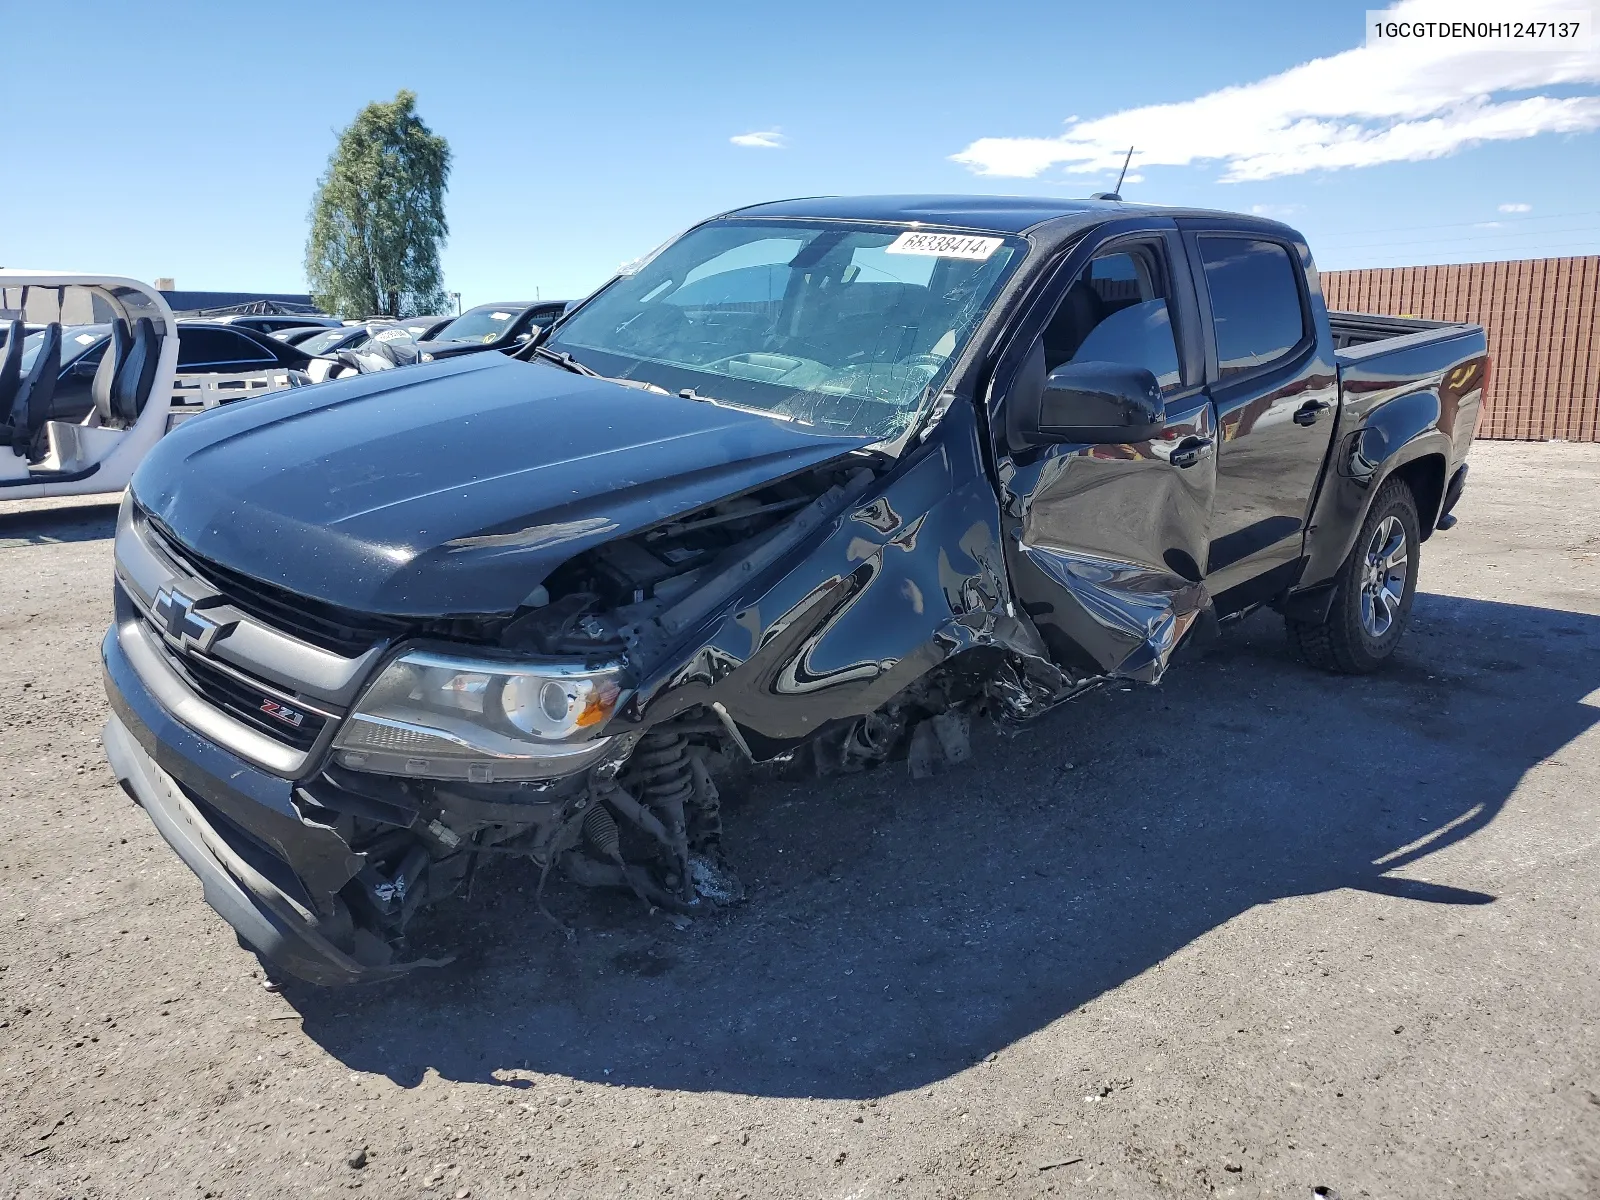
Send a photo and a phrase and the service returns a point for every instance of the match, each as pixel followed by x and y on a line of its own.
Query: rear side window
pixel 199 348
pixel 1255 301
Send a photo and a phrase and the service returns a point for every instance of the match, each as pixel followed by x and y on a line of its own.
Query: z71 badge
pixel 289 716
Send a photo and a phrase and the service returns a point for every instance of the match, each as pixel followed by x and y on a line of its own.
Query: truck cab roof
pixel 994 214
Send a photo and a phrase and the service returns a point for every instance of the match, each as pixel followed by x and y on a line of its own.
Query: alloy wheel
pixel 1383 577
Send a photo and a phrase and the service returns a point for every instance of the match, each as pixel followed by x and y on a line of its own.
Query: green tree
pixel 377 221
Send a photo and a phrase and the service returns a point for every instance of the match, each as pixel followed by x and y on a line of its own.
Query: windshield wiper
pixel 562 359
pixel 691 394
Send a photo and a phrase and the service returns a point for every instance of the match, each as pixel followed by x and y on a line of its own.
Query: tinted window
pixel 74 340
pixel 325 342
pixel 211 347
pixel 1117 312
pixel 1255 301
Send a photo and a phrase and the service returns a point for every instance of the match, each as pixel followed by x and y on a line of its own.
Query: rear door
pixel 1274 386
pixel 1105 543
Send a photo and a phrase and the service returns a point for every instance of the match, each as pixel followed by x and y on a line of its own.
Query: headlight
pixel 436 716
pixel 426 357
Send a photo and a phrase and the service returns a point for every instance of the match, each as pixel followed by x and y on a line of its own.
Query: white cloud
pixel 1490 225
pixel 1387 102
pixel 761 139
pixel 1516 208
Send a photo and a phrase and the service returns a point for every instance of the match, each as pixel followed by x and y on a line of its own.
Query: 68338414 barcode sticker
pixel 944 245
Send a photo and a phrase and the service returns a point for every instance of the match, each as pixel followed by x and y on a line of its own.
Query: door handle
pixel 1190 451
pixel 1308 412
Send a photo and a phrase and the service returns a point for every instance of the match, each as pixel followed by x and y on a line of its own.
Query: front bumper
pixel 237 828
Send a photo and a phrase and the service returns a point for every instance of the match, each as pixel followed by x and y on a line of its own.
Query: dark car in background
pixel 277 322
pixel 207 350
pixel 389 341
pixel 423 328
pixel 491 327
pixel 299 333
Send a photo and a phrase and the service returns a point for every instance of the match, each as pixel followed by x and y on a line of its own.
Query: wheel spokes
pixel 1389 597
pixel 1385 584
pixel 1394 554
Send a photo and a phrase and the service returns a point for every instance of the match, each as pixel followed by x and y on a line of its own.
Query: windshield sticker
pixel 945 245
pixel 83 339
pixel 500 316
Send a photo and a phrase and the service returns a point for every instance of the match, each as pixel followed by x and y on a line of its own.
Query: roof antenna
pixel 1116 193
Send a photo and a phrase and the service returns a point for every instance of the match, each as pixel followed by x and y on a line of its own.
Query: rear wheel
pixel 1372 597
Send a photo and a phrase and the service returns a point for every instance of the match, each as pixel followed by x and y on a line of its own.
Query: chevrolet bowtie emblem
pixel 174 612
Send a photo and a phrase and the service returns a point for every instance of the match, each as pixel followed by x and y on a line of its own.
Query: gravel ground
pixel 1255 932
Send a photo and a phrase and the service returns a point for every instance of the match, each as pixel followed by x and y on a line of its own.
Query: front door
pixel 1106 544
pixel 1276 394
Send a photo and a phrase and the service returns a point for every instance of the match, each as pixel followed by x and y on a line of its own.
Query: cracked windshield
pixel 846 328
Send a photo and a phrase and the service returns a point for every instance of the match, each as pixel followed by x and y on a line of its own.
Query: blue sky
pixel 185 140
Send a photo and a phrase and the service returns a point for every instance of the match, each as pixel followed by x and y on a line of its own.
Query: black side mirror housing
pixel 1100 403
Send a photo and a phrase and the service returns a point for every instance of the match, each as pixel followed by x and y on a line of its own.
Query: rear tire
pixel 1373 591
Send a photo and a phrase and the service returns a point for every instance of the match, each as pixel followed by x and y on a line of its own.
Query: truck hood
pixel 451 488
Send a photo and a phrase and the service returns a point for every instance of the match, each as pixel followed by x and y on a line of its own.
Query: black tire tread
pixel 1338 643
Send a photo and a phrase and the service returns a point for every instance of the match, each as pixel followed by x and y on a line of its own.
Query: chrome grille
pixel 247 702
pixel 313 621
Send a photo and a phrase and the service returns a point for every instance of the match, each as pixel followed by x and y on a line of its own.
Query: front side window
pixel 1117 312
pixel 845 327
pixel 1255 301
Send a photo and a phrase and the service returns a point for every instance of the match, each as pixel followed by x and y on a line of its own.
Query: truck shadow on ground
pixel 91 521
pixel 899 932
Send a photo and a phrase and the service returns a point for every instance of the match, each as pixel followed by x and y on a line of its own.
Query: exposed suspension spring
pixel 661 765
pixel 664 778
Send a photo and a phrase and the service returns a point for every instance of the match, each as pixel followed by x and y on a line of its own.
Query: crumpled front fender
pixel 906 576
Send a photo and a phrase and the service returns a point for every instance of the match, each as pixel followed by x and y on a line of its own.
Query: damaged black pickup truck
pixel 818 479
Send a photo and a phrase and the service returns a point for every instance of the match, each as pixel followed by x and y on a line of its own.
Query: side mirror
pixel 86 370
pixel 1100 403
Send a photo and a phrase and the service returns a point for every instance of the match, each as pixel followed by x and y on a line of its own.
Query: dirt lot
pixel 1255 932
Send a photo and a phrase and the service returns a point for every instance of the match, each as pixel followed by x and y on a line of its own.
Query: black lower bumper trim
pixel 264 918
pixel 273 921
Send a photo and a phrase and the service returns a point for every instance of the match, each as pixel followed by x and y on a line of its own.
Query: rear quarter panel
pixel 1401 401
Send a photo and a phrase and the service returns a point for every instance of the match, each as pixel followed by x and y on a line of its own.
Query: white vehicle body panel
pixel 85 456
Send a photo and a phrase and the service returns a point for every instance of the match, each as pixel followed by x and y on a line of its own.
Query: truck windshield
pixel 479 324
pixel 76 341
pixel 845 327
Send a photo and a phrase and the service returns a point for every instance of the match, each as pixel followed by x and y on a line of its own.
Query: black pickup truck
pixel 818 480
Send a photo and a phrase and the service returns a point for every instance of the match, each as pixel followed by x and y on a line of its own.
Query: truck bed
pixel 1358 335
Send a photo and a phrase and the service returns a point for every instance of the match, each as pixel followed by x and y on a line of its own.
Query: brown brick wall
pixel 1543 324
